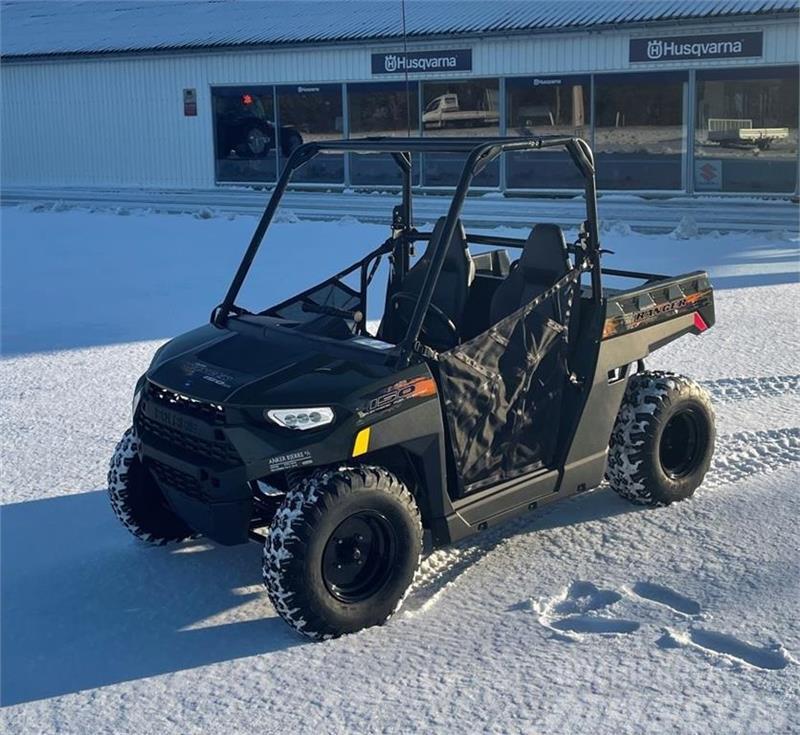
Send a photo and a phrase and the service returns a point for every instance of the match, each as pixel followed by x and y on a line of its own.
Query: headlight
pixel 300 418
pixel 137 396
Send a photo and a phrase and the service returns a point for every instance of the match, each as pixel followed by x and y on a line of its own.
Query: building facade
pixel 697 104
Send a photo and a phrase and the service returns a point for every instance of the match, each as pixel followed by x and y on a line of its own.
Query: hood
pixel 269 365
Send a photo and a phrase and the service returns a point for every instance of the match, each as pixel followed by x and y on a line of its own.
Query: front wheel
pixel 663 440
pixel 137 500
pixel 342 551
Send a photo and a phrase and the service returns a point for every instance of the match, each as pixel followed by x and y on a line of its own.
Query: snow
pixel 591 615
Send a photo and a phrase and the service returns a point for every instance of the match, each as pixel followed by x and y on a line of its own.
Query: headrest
pixel 457 251
pixel 545 251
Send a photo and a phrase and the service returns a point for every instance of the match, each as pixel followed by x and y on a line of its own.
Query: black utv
pixel 494 384
pixel 243 129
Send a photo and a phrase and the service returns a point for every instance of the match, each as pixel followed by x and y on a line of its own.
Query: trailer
pixel 736 132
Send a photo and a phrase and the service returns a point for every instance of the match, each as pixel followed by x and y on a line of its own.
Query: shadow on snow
pixel 84 605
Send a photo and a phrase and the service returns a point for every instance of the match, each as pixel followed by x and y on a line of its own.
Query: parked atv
pixel 492 387
pixel 243 130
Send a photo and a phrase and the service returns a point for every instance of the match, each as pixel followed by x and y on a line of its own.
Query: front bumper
pixel 204 458
pixel 202 476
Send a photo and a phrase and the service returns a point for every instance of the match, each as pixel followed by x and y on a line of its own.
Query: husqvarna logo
pixel 655 49
pixel 706 46
pixel 422 61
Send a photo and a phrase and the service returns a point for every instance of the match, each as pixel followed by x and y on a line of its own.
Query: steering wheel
pixel 450 329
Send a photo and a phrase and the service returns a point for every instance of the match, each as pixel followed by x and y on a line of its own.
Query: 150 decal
pixel 393 395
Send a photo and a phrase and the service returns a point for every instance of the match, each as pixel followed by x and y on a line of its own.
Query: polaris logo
pixel 174 421
pixel 685 48
pixel 422 61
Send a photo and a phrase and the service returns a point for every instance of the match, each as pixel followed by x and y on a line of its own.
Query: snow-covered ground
pixel 591 616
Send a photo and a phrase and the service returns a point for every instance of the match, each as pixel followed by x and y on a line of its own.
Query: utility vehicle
pixel 493 385
pixel 447 111
pixel 243 129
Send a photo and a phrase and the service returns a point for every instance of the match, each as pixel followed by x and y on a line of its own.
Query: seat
pixel 544 261
pixel 450 293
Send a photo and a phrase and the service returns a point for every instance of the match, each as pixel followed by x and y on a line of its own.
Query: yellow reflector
pixel 361 444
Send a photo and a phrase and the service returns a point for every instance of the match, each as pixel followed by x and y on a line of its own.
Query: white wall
pixel 118 121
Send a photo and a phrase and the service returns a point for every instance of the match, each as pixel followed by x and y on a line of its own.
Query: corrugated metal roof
pixel 45 27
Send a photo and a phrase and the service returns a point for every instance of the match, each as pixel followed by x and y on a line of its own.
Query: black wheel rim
pixel 682 443
pixel 256 141
pixel 359 556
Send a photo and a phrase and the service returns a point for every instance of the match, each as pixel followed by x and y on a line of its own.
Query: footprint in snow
pixel 661 595
pixel 729 647
pixel 578 610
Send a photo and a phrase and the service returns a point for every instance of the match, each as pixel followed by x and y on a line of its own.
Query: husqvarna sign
pixel 415 62
pixel 690 48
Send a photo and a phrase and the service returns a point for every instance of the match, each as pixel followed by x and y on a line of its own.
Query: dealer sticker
pixel 290 461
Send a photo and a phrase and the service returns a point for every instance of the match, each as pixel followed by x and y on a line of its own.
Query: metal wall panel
pixel 118 121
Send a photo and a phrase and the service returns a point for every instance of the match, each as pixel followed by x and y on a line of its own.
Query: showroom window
pixel 546 106
pixel 746 130
pixel 309 113
pixel 244 133
pixel 459 109
pixel 639 131
pixel 388 109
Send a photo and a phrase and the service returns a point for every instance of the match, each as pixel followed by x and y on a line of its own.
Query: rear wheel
pixel 137 500
pixel 257 140
pixel 342 551
pixel 663 440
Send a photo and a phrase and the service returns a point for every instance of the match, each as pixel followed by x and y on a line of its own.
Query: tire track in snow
pixel 737 456
pixel 728 390
pixel 747 453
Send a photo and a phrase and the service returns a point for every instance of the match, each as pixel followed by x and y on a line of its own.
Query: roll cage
pixel 480 152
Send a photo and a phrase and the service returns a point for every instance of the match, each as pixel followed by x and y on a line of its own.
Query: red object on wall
pixel 190 102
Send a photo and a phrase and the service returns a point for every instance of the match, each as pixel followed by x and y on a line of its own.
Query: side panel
pixel 585 461
pixel 412 441
pixel 658 302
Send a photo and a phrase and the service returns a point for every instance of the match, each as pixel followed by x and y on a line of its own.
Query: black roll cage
pixel 480 152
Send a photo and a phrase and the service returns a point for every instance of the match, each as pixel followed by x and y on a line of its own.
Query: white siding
pixel 118 121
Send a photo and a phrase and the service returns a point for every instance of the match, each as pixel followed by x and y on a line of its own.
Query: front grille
pixel 210 412
pixel 221 450
pixel 174 478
